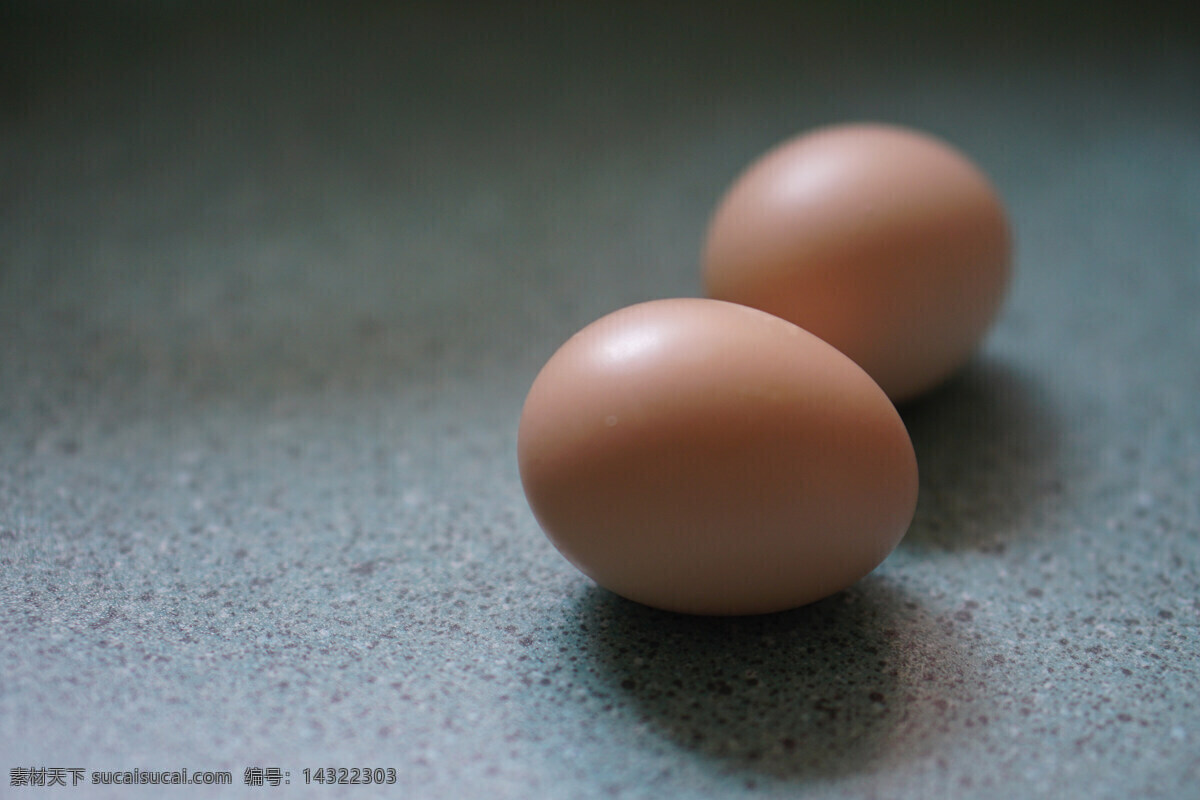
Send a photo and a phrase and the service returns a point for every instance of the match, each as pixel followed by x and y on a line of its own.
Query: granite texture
pixel 273 283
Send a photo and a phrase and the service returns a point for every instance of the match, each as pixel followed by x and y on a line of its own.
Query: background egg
pixel 885 242
pixel 707 457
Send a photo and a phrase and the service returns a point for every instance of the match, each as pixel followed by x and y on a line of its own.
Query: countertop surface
pixel 274 283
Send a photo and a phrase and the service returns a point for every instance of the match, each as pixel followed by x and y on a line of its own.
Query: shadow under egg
pixel 832 688
pixel 987 445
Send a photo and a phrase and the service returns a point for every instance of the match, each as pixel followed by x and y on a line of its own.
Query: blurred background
pixel 275 277
pixel 248 172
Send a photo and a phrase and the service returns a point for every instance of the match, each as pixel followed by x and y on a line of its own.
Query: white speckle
pixel 412 497
pixel 1178 733
pixel 610 420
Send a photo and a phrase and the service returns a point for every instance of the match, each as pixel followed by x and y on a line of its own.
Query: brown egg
pixel 706 457
pixel 885 242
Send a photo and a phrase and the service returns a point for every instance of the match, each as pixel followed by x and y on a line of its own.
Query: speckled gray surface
pixel 273 285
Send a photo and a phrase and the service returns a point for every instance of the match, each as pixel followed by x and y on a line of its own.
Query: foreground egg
pixel 705 457
pixel 885 242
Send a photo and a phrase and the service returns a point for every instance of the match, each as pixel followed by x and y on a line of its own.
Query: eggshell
pixel 706 457
pixel 885 242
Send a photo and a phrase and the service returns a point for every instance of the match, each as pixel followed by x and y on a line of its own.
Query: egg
pixel 705 457
pixel 885 242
